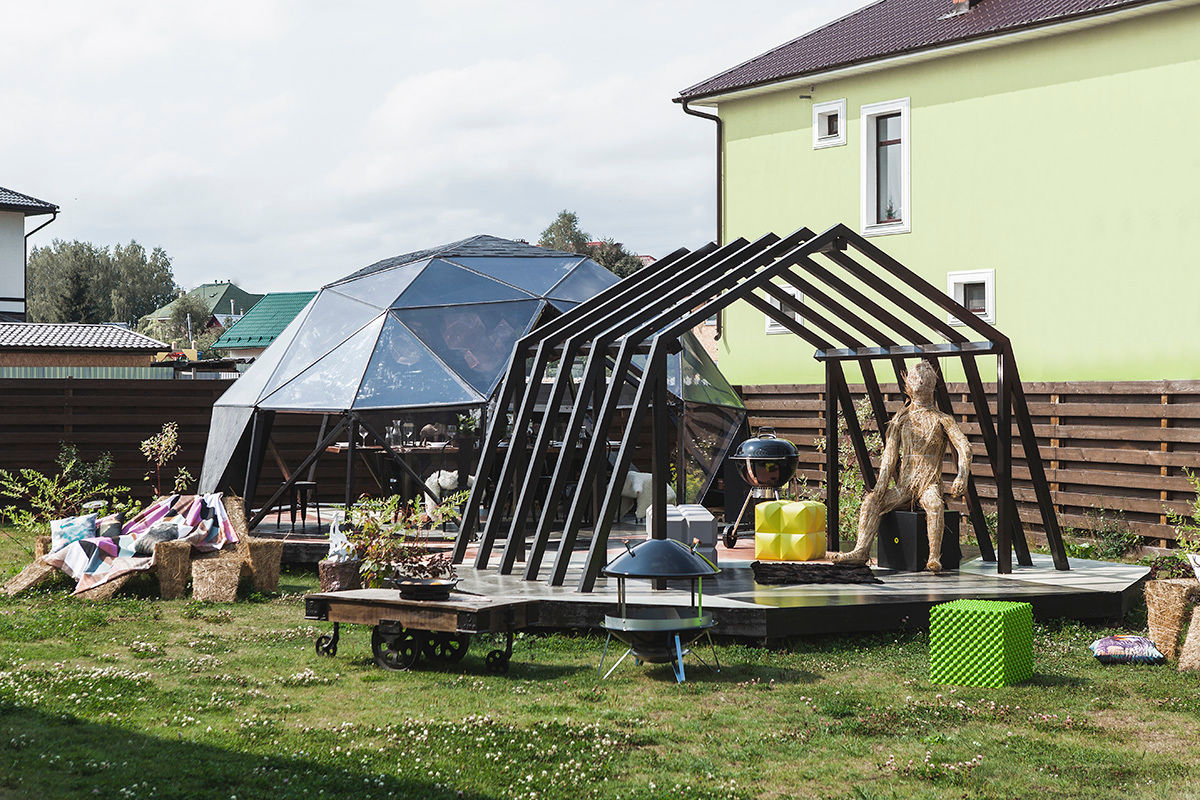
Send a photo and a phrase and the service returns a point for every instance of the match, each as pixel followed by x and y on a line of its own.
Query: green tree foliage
pixel 83 282
pixel 564 233
pixel 187 309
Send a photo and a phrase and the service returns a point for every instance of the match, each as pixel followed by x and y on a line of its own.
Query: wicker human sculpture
pixel 916 443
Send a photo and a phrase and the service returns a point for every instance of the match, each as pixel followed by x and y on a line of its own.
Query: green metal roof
pixel 215 297
pixel 265 321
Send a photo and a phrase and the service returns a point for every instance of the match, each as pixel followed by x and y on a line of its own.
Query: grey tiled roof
pixel 893 27
pixel 15 201
pixel 479 245
pixel 74 336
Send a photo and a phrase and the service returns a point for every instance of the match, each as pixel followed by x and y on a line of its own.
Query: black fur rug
pixel 785 572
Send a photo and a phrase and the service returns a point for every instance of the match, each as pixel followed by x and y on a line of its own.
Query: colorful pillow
pixel 159 532
pixel 1126 650
pixel 110 526
pixel 65 531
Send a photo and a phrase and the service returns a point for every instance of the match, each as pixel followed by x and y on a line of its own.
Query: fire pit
pixel 659 635
pixel 766 463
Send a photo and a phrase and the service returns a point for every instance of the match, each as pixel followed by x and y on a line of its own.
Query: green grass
pixel 145 698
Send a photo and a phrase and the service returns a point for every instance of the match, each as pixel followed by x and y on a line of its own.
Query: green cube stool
pixel 980 643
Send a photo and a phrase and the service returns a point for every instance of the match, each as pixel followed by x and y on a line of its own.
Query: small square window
pixel 772 325
pixel 829 124
pixel 975 289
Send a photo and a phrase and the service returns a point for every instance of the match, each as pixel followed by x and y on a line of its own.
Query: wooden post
pixel 662 445
pixel 1163 447
pixel 350 464
pixel 1003 465
pixel 832 472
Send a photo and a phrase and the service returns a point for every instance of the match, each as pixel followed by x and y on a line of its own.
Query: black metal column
pixel 1003 467
pixel 832 471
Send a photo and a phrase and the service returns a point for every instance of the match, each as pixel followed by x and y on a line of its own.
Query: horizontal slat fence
pixel 1114 447
pixel 114 416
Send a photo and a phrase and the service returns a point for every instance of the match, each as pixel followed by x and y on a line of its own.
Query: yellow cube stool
pixel 807 516
pixel 769 546
pixel 768 516
pixel 803 546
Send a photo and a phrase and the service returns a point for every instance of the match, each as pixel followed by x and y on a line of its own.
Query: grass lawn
pixel 145 698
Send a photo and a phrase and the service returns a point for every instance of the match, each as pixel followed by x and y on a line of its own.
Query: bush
pixel 36 499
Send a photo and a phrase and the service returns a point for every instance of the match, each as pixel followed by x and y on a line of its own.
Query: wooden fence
pixel 1113 448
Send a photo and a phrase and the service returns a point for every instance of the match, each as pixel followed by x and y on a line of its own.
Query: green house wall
pixel 1069 164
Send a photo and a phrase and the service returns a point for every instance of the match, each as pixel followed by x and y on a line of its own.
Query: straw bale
pixel 106 590
pixel 41 546
pixel 1189 655
pixel 32 575
pixel 235 509
pixel 215 576
pixel 338 576
pixel 172 563
pixel 1168 608
pixel 265 557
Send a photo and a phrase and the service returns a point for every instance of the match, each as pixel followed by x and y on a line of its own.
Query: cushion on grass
pixel 1126 650
pixel 65 531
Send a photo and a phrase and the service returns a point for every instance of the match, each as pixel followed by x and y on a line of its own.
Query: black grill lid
pixel 659 558
pixel 765 446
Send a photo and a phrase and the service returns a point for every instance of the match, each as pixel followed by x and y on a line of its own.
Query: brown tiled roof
pixel 894 27
pixel 74 336
pixel 31 206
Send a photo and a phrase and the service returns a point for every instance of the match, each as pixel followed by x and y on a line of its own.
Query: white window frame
pixel 773 327
pixel 955 280
pixel 821 110
pixel 867 116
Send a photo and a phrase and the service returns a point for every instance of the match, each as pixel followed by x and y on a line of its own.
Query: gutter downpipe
pixel 720 174
pixel 25 265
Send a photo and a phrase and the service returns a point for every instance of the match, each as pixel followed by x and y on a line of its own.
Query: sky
pixel 283 145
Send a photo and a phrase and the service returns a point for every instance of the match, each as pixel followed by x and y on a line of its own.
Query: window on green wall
pixel 886 190
pixel 772 325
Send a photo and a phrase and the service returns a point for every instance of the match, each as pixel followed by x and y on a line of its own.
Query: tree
pixel 564 233
pixel 189 319
pixel 83 282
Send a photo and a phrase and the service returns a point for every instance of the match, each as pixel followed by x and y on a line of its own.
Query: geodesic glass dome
pixel 425 330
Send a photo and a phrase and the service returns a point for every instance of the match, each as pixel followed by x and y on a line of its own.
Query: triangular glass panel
pixel 332 382
pixel 476 341
pixel 247 389
pixel 534 275
pixel 380 289
pixel 443 284
pixel 586 281
pixel 331 319
pixel 702 379
pixel 563 305
pixel 403 373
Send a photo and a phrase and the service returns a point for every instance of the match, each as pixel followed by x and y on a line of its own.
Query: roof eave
pixel 1034 30
pixel 29 211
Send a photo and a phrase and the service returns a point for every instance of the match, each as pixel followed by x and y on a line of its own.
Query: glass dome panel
pixel 476 341
pixel 332 382
pixel 380 289
pixel 331 320
pixel 443 284
pixel 402 373
pixel 585 282
pixel 246 390
pixel 534 275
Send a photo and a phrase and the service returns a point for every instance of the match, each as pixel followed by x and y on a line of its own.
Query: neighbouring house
pixel 259 326
pixel 14 208
pixel 1036 158
pixel 74 344
pixel 225 301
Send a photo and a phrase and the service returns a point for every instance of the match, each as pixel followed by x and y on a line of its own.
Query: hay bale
pixel 34 574
pixel 1168 608
pixel 265 557
pixel 172 563
pixel 215 576
pixel 235 509
pixel 41 546
pixel 1189 655
pixel 339 576
pixel 106 590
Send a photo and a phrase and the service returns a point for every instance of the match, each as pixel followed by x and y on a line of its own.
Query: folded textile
pixel 96 560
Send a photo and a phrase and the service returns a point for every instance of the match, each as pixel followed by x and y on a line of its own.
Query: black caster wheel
pixel 729 536
pixel 395 651
pixel 446 648
pixel 496 662
pixel 326 645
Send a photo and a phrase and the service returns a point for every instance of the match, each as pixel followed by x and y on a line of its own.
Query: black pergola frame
pixel 648 312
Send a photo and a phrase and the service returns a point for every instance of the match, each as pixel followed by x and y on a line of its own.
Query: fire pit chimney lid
pixel 659 558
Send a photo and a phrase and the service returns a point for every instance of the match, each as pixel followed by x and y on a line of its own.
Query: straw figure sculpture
pixel 912 454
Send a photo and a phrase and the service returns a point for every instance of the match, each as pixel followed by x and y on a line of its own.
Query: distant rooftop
pixel 268 318
pixel 895 27
pixel 481 245
pixel 29 206
pixel 215 297
pixel 74 336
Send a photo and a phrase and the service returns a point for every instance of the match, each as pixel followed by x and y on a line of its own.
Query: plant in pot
pixel 394 550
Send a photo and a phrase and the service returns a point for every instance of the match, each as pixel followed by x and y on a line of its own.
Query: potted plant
pixel 395 552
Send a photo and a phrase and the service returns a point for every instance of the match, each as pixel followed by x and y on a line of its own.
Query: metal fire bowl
pixel 653 640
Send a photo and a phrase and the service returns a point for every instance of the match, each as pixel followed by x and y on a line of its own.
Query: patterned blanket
pixel 92 562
